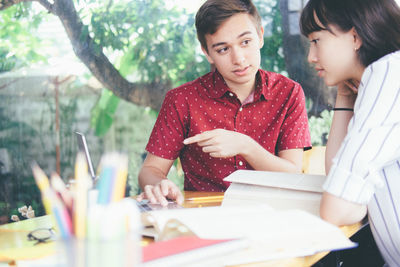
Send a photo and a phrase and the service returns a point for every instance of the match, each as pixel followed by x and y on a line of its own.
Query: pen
pixel 120 179
pixel 105 184
pixel 59 186
pixel 44 186
pixel 62 216
pixel 82 187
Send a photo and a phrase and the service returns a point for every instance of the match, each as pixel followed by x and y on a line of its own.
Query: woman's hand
pixel 348 88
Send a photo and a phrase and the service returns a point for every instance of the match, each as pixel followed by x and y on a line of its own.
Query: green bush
pixel 319 127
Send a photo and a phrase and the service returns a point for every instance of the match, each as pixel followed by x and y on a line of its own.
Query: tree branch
pixel 7 84
pixel 92 56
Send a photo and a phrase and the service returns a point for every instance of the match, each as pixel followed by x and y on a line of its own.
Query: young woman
pixel 355 44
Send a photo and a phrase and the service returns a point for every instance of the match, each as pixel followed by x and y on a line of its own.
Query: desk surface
pixel 14 243
pixel 204 199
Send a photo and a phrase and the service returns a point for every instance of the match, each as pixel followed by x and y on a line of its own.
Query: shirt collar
pixel 217 87
pixel 263 85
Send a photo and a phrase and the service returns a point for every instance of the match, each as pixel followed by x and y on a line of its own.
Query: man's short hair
pixel 213 13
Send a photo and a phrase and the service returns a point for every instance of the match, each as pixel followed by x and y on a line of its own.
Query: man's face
pixel 235 51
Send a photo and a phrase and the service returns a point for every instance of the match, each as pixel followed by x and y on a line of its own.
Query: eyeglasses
pixel 41 235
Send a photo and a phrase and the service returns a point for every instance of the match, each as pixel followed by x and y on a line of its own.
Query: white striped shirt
pixel 366 169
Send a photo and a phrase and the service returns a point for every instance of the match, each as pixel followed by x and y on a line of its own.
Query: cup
pixel 119 252
pixel 112 238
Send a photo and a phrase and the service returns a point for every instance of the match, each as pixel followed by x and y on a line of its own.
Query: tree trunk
pixel 295 49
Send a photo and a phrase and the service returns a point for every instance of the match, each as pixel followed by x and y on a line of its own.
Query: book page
pixel 272 234
pixel 210 222
pixel 303 182
pixel 278 198
pixel 293 234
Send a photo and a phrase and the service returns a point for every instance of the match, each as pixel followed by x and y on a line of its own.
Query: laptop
pixel 83 147
pixel 144 205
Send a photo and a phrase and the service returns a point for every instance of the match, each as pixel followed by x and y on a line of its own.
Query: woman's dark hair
pixel 215 12
pixel 377 23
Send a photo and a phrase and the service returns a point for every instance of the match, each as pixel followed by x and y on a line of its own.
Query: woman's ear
pixel 357 40
pixel 209 59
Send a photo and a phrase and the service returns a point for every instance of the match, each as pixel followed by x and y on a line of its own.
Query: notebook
pixel 143 205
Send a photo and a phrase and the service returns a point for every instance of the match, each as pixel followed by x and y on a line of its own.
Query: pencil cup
pixel 87 253
pixel 111 237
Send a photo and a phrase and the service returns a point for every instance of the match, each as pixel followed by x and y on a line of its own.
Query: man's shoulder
pixel 190 88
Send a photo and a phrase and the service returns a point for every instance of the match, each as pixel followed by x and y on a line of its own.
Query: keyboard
pixel 145 205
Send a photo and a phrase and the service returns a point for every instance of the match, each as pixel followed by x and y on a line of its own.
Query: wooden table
pixel 14 243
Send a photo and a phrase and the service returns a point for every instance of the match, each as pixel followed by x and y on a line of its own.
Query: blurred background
pixel 102 67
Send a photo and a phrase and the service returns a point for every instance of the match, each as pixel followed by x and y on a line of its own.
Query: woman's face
pixel 334 55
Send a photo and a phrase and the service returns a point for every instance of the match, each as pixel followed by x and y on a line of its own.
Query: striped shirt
pixel 366 169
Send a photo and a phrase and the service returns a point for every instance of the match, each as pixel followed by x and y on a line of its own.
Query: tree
pixel 157 47
pixel 112 26
pixel 295 47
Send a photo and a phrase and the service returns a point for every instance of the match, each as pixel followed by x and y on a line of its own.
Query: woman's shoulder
pixel 386 65
pixel 392 59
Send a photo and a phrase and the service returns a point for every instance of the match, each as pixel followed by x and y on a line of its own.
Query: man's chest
pixel 255 119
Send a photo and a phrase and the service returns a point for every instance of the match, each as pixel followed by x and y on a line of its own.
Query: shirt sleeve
pixel 372 140
pixel 166 139
pixel 294 132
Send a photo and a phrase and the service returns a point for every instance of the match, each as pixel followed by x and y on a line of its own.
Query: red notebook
pixel 188 249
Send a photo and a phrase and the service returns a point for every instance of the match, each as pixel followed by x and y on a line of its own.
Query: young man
pixel 236 117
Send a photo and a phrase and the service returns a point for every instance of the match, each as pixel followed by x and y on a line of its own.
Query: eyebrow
pixel 223 43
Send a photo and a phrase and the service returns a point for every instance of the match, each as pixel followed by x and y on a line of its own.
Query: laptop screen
pixel 82 145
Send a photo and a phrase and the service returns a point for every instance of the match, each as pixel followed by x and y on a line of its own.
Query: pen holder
pixel 112 237
pixel 124 251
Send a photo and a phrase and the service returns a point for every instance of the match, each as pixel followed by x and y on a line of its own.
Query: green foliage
pixel 272 58
pixel 102 114
pixel 16 187
pixel 8 61
pixel 155 43
pixel 319 127
pixel 19 45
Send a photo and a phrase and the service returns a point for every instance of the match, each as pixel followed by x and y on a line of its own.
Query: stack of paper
pixel 281 191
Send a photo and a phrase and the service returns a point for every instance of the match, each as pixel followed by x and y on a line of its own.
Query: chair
pixel 314 160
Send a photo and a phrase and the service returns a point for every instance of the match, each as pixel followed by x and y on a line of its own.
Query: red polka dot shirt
pixel 274 115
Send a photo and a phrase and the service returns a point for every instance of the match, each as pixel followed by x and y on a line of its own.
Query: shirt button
pixel 240 163
pixel 230 94
pixel 240 109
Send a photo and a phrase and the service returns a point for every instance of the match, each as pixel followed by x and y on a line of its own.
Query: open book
pixel 272 234
pixel 281 191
